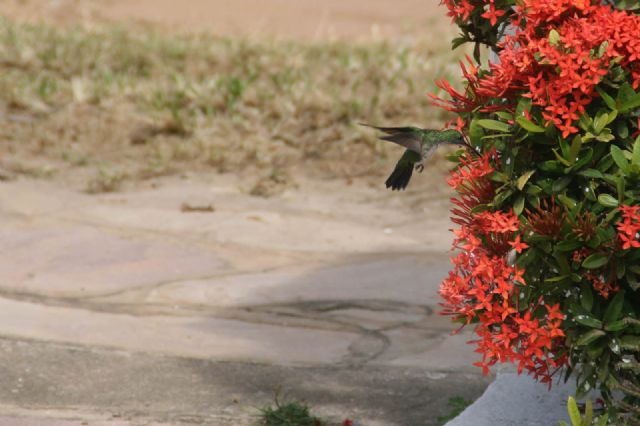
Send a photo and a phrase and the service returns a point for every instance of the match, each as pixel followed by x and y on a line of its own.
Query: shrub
pixel 548 204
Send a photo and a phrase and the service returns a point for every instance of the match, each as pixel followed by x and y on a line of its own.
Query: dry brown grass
pixel 121 104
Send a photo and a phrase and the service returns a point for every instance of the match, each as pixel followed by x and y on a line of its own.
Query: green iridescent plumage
pixel 420 145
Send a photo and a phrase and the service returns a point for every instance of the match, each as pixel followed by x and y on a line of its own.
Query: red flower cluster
pixel 462 9
pixel 558 59
pixel 629 227
pixel 483 287
pixel 559 53
pixel 461 102
pixel 605 288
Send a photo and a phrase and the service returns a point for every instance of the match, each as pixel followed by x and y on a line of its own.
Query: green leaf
pixel 617 325
pixel 612 116
pixel 567 201
pixel 595 351
pixel 561 158
pixel 475 133
pixel 528 125
pixel 605 163
pixel 586 297
pixel 630 342
pixel 561 184
pixel 620 187
pixel 524 105
pixel 635 157
pixel 558 279
pixel 627 99
pixel 614 310
pixel 600 121
pixel 588 414
pixel 590 337
pixel 480 208
pixel 611 103
pixel 621 269
pixel 498 126
pixel 522 180
pixel 504 115
pixel 574 412
pixel 595 261
pixel 589 321
pixel 564 147
pixel 622 130
pixel 518 205
pixel 576 144
pixel 496 136
pixel 605 136
pixel 619 158
pixel 568 245
pixel 457 42
pixel 591 173
pixel 607 200
pixel 501 197
pixel 554 38
pixel 582 160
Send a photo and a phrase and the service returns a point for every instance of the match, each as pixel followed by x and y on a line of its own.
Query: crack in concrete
pixel 327 314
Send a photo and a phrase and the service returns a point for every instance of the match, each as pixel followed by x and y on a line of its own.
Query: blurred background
pixel 123 91
pixel 191 217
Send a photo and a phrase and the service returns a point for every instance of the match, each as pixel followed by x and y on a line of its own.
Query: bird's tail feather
pixel 399 178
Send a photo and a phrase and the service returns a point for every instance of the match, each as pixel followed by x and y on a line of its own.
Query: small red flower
pixel 629 227
pixel 492 14
pixel 518 245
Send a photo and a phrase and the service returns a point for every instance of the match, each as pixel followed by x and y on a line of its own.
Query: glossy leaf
pixel 498 126
pixel 595 261
pixel 589 321
pixel 614 310
pixel 528 125
pixel 607 200
pixel 590 337
pixel 619 158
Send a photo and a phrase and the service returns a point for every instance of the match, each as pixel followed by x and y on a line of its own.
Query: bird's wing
pixel 407 140
pixel 390 130
pixel 403 136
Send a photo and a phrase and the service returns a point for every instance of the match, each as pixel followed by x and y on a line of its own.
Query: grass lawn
pixel 110 105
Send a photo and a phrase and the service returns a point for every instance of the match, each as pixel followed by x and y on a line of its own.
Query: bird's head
pixel 453 136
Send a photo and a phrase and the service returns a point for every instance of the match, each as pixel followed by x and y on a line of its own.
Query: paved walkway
pixel 125 309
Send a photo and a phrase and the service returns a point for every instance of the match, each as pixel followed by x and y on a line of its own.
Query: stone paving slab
pixel 77 260
pixel 146 389
pixel 200 337
pixel 357 278
pixel 349 220
pixel 94 291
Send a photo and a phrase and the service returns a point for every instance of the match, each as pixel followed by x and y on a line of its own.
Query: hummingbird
pixel 420 145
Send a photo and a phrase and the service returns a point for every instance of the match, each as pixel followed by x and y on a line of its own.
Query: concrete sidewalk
pixel 123 309
pixel 517 400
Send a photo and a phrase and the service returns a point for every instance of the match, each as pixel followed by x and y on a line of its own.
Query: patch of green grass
pixel 457 404
pixel 228 103
pixel 289 414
